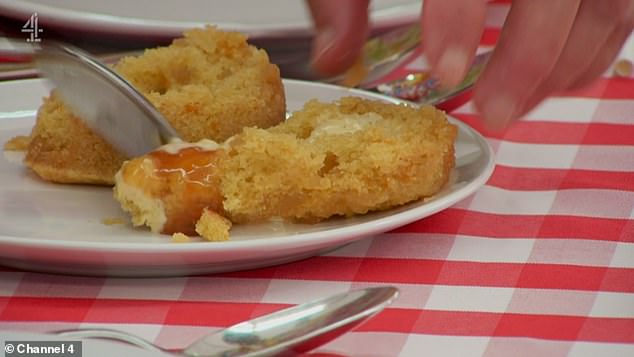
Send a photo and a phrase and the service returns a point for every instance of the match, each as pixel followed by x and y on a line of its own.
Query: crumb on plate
pixel 180 238
pixel 111 221
pixel 213 226
pixel 18 143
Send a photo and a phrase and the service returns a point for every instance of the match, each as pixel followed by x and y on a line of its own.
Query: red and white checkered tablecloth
pixel 539 262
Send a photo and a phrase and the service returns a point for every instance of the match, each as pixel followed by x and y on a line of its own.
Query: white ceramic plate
pixel 166 18
pixel 58 228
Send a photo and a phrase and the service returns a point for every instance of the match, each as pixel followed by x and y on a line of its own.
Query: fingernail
pixel 323 43
pixel 498 111
pixel 452 66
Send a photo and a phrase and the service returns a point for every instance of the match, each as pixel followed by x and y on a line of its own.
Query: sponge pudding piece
pixel 209 85
pixel 342 158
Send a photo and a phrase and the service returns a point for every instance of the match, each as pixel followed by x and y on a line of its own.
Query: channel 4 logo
pixel 32 27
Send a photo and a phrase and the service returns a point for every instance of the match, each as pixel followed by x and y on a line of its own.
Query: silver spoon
pixel 104 100
pixel 382 54
pixel 289 331
pixel 424 88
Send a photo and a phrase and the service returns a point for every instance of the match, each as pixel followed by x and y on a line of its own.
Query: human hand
pixel 545 46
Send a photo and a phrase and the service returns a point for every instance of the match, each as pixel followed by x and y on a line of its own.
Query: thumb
pixel 341 30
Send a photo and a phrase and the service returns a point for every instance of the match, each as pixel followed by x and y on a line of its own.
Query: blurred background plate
pixel 112 28
pixel 168 19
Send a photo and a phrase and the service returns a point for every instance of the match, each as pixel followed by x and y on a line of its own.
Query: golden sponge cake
pixel 328 159
pixel 208 84
pixel 63 149
pixel 337 159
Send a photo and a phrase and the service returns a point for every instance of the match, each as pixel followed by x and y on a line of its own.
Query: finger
pixel 601 63
pixel 594 35
pixel 341 30
pixel 605 58
pixel 448 48
pixel 531 42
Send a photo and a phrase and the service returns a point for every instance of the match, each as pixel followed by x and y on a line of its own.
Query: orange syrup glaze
pixel 188 185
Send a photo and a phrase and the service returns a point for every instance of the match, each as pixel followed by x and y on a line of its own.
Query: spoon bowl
pixel 384 53
pixel 423 88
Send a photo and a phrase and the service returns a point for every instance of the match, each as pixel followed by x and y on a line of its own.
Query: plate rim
pixel 336 236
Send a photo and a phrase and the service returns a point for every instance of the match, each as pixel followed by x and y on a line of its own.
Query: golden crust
pixel 209 84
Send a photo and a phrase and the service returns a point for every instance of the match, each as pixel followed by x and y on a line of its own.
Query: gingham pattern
pixel 539 262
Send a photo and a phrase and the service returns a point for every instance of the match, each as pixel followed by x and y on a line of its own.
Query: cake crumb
pixel 18 143
pixel 180 238
pixel 212 226
pixel 111 221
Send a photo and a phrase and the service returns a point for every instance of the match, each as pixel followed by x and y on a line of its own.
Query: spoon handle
pixel 111 335
pixel 381 55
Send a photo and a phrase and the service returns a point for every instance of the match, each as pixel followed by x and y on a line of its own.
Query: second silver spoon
pixel 289 331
